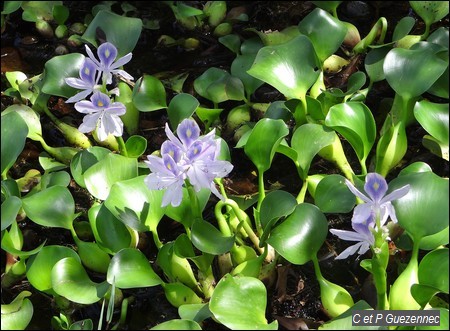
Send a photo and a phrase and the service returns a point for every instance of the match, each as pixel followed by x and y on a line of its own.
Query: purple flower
pixel 375 200
pixel 362 235
pixel 88 81
pixel 196 159
pixel 101 114
pixel 107 54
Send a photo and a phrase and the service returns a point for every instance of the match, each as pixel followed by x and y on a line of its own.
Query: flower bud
pixel 44 28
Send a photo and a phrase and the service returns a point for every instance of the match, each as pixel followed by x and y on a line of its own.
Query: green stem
pixel 194 202
pixel 301 195
pixel 122 147
pixel 221 221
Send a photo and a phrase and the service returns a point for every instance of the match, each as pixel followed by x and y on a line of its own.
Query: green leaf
pixel 402 67
pixel 263 142
pixel 53 207
pixel 177 324
pixel 239 68
pixel 195 312
pixel 70 280
pixel 426 200
pixel 325 32
pixel 109 232
pixel 440 86
pixel 433 117
pixel 30 117
pixel 84 159
pixel 239 303
pixel 333 196
pixel 271 38
pixel 101 176
pixel 373 63
pixel 39 267
pixel 218 85
pixel 57 69
pixel 355 122
pixel 60 14
pixel 344 321
pixel 149 94
pixel 299 237
pixel 391 148
pixel 433 269
pixel 136 146
pixel 291 68
pixel 129 268
pixel 14 128
pixel 430 11
pixel 17 314
pixel 403 27
pixel 122 31
pixel 307 141
pixel 38 10
pixel 209 239
pixel 183 212
pixel 138 207
pixel 10 209
pixel 182 106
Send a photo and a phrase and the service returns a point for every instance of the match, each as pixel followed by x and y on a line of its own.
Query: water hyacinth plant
pixel 130 187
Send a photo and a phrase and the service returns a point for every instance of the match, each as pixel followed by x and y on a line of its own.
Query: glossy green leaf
pixel 39 267
pixel 57 69
pixel 38 10
pixel 209 239
pixel 179 294
pixel 182 106
pixel 307 141
pixel 291 68
pixel 430 11
pixel 10 7
pixel 426 200
pixel 218 85
pixel 122 31
pixel 149 94
pixel 208 115
pixel 433 117
pixel 403 27
pixel 101 176
pixel 329 6
pixel 299 237
pixel 59 178
pixel 10 209
pixel 70 280
pixel 195 312
pixel 355 122
pixel 239 68
pixel 276 204
pixel 373 63
pixel 109 232
pixel 129 268
pixel 239 303
pixel 325 32
pixel 17 314
pixel 263 142
pixel 433 269
pixel 136 146
pixel 30 117
pixel 135 204
pixel 53 207
pixel 84 159
pixel 92 256
pixel 12 243
pixel 271 38
pixel 177 324
pixel 440 87
pixel 183 212
pixel 14 129
pixel 232 42
pixel 354 83
pixel 402 67
pixel 333 196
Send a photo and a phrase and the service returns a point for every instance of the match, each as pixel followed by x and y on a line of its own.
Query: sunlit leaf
pixel 149 94
pixel 182 106
pixel 14 129
pixel 17 314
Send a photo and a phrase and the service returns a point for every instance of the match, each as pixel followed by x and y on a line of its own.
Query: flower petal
pixel 107 53
pixel 396 194
pixel 375 186
pixel 349 251
pixel 356 192
pixel 347 235
pixel 188 131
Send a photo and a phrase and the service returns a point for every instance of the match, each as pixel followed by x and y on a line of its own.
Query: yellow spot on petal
pixel 107 53
pixel 189 133
pixel 376 186
pixel 169 167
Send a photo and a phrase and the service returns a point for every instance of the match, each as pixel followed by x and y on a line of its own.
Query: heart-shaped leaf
pixel 101 176
pixel 430 11
pixel 355 122
pixel 291 68
pixel 263 142
pixel 70 280
pixel 426 200
pixel 53 207
pixel 13 128
pixel 17 314
pixel 299 237
pixel 122 31
pixel 209 239
pixel 239 68
pixel 239 303
pixel 325 32
pixel 136 146
pixel 434 119
pixel 129 268
pixel 39 267
pixel 182 106
pixel 149 94
pixel 333 196
pixel 10 209
pixel 373 63
pixel 84 159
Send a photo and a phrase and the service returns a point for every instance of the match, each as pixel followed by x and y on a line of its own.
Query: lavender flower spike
pixel 88 81
pixel 101 114
pixel 188 156
pixel 107 54
pixel 376 200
